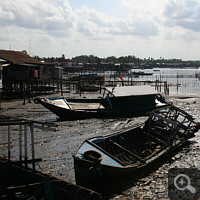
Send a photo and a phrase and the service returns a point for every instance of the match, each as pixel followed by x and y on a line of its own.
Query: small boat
pixel 104 158
pixel 126 101
pixel 140 73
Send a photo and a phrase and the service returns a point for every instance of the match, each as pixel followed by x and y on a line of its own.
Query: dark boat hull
pixel 129 150
pixel 107 174
pixel 70 114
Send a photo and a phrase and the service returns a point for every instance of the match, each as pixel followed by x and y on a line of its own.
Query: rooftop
pixel 17 57
pixel 132 90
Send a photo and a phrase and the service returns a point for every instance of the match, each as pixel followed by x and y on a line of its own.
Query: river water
pixel 180 81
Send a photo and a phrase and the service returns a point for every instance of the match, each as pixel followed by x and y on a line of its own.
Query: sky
pixel 143 28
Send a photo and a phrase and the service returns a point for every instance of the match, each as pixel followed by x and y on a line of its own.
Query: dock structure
pixel 31 88
pixel 19 181
pixel 24 124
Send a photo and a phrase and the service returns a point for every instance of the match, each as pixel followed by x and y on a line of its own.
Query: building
pixel 21 72
pixel 22 67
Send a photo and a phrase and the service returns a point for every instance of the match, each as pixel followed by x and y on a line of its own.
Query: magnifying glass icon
pixel 180 179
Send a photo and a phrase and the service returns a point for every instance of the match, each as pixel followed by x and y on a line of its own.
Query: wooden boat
pixel 127 101
pixel 18 182
pixel 116 155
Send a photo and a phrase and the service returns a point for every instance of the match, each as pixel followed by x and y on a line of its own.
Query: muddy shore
pixel 56 148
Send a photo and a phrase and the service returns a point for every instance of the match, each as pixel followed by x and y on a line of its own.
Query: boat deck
pixel 79 106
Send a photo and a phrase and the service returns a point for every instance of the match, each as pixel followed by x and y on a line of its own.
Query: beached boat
pixel 19 182
pixel 116 155
pixel 126 101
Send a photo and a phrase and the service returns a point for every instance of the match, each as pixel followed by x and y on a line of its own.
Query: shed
pixel 22 67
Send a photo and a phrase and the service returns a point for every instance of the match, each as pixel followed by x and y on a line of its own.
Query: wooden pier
pixel 73 82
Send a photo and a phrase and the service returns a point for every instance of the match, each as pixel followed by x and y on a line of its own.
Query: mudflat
pixel 56 148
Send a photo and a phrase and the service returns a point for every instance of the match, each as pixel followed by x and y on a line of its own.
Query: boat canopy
pixel 132 90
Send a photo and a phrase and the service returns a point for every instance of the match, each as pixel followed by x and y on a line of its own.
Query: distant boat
pixel 104 158
pixel 125 101
pixel 140 73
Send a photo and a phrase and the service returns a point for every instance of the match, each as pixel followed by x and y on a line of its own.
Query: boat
pixel 140 73
pixel 104 158
pixel 19 182
pixel 125 101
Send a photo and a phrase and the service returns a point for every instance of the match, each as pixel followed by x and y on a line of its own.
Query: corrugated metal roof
pixel 17 57
pixel 132 90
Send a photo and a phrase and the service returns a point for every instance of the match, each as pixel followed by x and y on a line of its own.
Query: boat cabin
pixel 130 96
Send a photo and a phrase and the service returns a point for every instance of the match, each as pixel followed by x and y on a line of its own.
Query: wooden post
pixel 61 88
pixel 177 83
pixel 25 146
pixel 20 143
pixel 9 142
pixel 149 130
pixel 24 95
pixel 33 148
pixel 0 99
pixel 29 93
pixel 100 86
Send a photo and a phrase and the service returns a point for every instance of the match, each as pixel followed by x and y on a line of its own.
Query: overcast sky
pixel 144 28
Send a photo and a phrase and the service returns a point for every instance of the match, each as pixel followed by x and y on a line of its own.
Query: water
pixel 180 81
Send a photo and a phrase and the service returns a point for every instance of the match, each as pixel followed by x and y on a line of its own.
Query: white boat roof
pixel 132 90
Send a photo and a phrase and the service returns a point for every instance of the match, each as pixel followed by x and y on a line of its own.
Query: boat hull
pixel 102 113
pixel 88 174
pixel 124 152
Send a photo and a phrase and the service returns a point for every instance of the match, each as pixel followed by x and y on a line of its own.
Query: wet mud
pixel 56 148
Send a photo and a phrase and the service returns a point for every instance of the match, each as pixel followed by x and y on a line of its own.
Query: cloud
pixel 54 24
pixel 184 14
pixel 58 18
pixel 90 22
pixel 38 14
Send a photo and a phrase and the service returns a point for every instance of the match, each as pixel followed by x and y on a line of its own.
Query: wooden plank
pixel 159 140
pixel 132 154
pixel 14 189
pixel 99 148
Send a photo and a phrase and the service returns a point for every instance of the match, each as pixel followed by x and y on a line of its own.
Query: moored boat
pixel 107 157
pixel 127 101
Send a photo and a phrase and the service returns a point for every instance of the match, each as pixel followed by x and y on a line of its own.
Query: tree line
pixel 114 59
